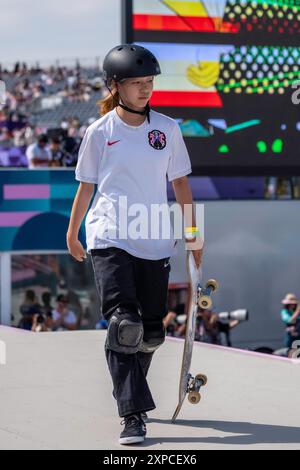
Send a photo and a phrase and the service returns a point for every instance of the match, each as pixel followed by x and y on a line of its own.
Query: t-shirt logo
pixel 157 139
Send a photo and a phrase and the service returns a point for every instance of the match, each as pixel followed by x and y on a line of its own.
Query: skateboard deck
pixel 199 296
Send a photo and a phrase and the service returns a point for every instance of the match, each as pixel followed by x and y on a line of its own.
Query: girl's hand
pixel 76 249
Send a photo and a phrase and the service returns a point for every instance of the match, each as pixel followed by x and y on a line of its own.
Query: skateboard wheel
pixel 202 378
pixel 194 397
pixel 213 284
pixel 205 302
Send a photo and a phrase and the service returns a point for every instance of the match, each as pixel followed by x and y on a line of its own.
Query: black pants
pixel 125 280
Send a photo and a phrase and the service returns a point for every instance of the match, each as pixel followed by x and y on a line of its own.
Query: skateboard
pixel 199 296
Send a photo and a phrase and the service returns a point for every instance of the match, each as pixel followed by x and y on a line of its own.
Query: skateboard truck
pixel 194 386
pixel 205 293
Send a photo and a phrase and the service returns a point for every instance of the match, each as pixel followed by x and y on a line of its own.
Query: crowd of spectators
pixel 210 328
pixel 19 126
pixel 66 313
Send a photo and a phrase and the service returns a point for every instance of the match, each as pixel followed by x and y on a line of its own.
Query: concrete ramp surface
pixel 56 393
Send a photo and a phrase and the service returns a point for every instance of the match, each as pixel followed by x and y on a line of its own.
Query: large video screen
pixel 230 76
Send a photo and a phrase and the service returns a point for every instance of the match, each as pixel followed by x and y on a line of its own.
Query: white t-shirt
pixel 35 151
pixel 132 161
pixel 69 319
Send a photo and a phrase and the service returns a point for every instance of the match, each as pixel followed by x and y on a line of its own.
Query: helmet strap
pixel 142 113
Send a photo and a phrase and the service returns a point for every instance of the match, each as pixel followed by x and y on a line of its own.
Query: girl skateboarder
pixel 128 153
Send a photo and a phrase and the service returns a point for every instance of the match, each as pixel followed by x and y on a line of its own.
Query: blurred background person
pixel 38 154
pixel 290 315
pixel 57 153
pixel 47 308
pixel 172 321
pixel 28 309
pixel 210 326
pixel 63 319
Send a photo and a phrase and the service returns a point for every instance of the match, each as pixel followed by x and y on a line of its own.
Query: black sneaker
pixel 134 431
pixel 144 417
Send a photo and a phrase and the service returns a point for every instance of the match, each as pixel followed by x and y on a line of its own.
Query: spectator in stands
pixel 38 154
pixel 39 323
pixel 73 128
pixel 25 89
pixel 46 306
pixel 57 154
pixel 174 320
pixel 210 328
pixel 19 138
pixel 296 332
pixel 70 147
pixel 4 135
pixel 290 315
pixel 62 317
pixel 28 309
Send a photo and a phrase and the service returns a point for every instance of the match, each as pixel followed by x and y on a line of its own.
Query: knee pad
pixel 153 338
pixel 125 331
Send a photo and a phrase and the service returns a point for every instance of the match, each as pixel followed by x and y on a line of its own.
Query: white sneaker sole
pixel 131 440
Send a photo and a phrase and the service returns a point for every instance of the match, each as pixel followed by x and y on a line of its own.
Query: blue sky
pixel 58 29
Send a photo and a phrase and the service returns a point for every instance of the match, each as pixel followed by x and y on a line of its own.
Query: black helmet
pixel 129 61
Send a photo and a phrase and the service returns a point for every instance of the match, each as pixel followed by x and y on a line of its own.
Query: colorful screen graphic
pixel 223 16
pixel 32 204
pixel 230 76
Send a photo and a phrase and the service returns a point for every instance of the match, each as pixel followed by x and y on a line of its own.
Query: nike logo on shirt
pixel 112 143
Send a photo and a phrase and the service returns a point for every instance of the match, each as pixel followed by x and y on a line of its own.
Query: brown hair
pixel 109 102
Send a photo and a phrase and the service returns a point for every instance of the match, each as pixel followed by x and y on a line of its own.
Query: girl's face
pixel 136 92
